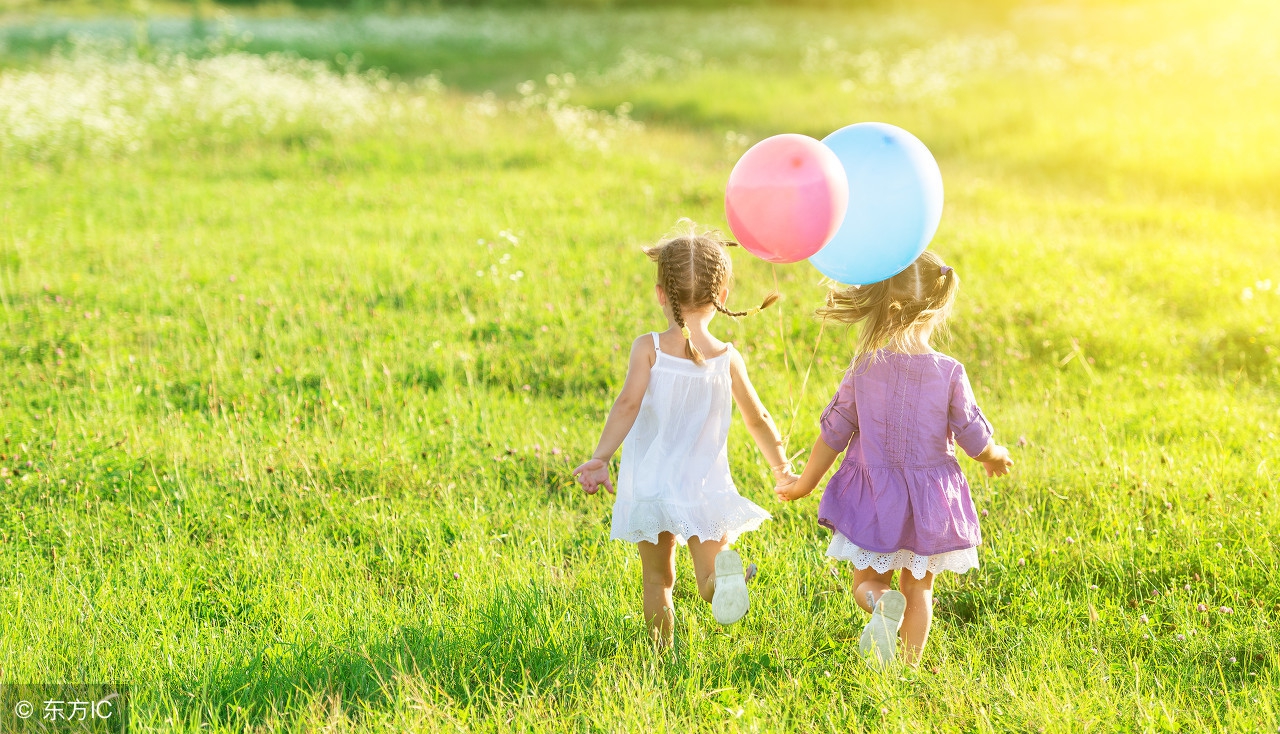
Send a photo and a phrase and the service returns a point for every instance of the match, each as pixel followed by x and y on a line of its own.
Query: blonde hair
pixel 692 269
pixel 889 311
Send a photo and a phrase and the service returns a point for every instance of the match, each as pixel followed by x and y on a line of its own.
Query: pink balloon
pixel 786 198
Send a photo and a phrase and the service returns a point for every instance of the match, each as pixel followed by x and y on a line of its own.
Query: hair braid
pixel 768 301
pixel 676 294
pixel 693 269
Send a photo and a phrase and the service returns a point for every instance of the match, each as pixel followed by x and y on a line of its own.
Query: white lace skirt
pixel 725 515
pixel 959 561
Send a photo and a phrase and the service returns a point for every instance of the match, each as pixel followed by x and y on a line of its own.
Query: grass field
pixel 296 357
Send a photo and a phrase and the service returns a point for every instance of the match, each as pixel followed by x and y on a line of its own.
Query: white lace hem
pixel 958 561
pixel 637 521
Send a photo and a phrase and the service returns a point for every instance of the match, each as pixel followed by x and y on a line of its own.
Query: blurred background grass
pixel 308 311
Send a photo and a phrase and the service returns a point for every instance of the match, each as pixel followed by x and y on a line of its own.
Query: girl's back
pixel 675 461
pixel 900 486
pixel 678 443
pixel 903 410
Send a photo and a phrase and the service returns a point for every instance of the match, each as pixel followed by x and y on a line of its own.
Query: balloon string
pixel 786 440
pixel 782 337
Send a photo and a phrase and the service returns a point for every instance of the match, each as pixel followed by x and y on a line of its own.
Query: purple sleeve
pixel 965 418
pixel 840 420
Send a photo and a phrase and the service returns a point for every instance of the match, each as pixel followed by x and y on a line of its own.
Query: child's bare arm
pixel 759 423
pixel 595 471
pixel 820 460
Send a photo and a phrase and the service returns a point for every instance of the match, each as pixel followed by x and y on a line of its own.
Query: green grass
pixel 286 447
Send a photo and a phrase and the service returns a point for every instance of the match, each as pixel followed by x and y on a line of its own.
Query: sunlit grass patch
pixel 289 407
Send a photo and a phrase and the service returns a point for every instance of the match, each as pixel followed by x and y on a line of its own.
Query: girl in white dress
pixel 672 420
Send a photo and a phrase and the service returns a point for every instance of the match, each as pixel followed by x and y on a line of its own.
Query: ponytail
pixel 890 309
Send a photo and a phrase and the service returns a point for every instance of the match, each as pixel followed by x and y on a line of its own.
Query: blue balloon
pixel 895 203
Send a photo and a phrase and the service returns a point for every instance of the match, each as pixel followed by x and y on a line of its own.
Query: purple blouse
pixel 900 486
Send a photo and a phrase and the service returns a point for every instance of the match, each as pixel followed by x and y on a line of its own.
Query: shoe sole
pixel 730 601
pixel 879 641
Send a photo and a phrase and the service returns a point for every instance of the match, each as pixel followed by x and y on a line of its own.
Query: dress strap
pixel 656 348
pixel 729 349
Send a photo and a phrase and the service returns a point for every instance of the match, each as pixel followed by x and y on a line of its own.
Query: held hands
pixel 996 460
pixel 785 484
pixel 593 473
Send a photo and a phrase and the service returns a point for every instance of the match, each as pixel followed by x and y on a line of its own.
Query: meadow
pixel 306 318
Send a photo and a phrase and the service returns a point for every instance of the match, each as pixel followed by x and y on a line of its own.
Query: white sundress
pixel 675 461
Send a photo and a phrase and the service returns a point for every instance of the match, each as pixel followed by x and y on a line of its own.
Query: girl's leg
pixel 872 591
pixel 722 580
pixel 870 581
pixel 658 566
pixel 703 554
pixel 919 615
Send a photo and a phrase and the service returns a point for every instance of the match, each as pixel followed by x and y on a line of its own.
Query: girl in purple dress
pixel 899 501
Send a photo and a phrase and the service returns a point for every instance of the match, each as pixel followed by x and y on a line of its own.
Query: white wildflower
pixel 100 99
pixel 582 127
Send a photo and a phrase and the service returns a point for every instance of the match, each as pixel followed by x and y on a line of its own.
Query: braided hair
pixel 692 270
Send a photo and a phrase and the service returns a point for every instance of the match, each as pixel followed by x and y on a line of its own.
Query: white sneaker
pixel 880 637
pixel 729 603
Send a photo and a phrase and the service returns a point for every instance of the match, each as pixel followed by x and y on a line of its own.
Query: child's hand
pixel 997 461
pixel 785 484
pixel 787 489
pixel 593 473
